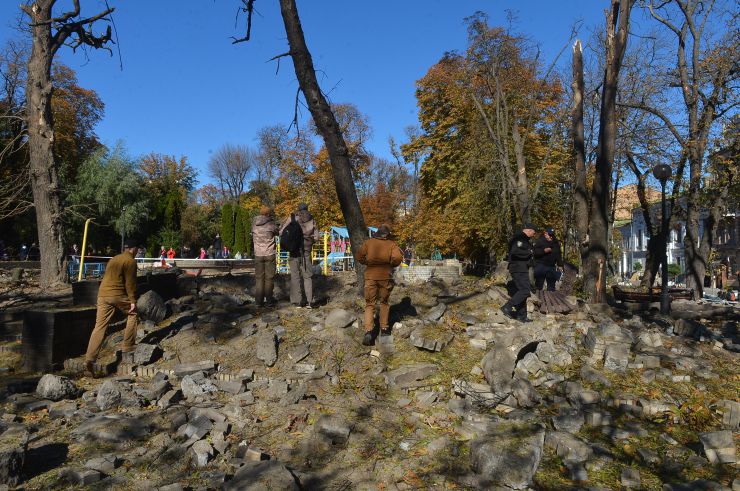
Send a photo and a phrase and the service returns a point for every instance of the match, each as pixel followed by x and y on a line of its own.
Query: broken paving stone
pixel 651 408
pixel 13 447
pixel 304 368
pixel 111 428
pixel 508 457
pixel 648 361
pixel 576 471
pixel 339 318
pixel 436 313
pixel 531 364
pixel 333 427
pixel 250 453
pixel 146 354
pixel 478 343
pixel 648 456
pixel 267 348
pixel 197 385
pixel 82 477
pixel 568 447
pixel 105 464
pixel 616 357
pixel 197 428
pixel 56 388
pixel 426 398
pixel 719 446
pixel 650 340
pixel 202 453
pixel 597 418
pixel 425 338
pixel 191 368
pixel 62 409
pixel 590 374
pixel 730 414
pixel 569 420
pixel 276 389
pixel 150 306
pixel 294 395
pixel 109 395
pixel 299 353
pixel 630 478
pixel 407 375
pixel 647 376
pixel 169 398
pixel 230 386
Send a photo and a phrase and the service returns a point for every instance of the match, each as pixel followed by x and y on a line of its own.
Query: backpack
pixel 291 239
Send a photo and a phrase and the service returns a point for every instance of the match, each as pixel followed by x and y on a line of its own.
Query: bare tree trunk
pixel 580 196
pixel 44 174
pixel 43 168
pixel 328 128
pixel 598 246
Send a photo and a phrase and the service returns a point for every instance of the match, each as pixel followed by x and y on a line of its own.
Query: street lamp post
pixel 662 172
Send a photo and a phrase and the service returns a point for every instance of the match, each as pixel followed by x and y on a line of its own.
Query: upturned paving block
pixel 648 361
pixel 730 414
pixel 191 368
pixel 335 428
pixel 598 418
pixel 651 408
pixel 719 446
pixel 299 353
pixel 50 336
pixel 616 357
pixel 409 374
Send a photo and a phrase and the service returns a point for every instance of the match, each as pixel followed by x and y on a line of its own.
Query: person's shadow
pixel 400 310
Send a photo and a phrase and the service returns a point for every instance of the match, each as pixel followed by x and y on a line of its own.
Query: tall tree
pixel 49 33
pixel 596 256
pixel 705 74
pixel 580 194
pixel 230 166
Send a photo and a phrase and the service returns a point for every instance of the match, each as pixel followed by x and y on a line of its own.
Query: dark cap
pixel 550 231
pixel 302 206
pixel 129 243
pixel 383 231
pixel 529 226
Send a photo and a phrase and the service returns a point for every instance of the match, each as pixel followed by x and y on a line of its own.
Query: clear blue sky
pixel 186 90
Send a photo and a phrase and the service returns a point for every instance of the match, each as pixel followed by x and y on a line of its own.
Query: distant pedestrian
pixel 264 231
pixel 300 262
pixel 171 253
pixel 23 254
pixel 163 257
pixel 520 255
pixel 202 254
pixel 117 292
pixel 380 254
pixel 226 253
pixel 547 257
pixel 217 247
pixel 211 252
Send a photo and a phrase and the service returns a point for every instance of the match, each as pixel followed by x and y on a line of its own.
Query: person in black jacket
pixel 520 254
pixel 547 256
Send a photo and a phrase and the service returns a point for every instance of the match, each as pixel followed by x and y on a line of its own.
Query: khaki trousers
pixel 301 268
pixel 377 290
pixel 264 276
pixel 107 307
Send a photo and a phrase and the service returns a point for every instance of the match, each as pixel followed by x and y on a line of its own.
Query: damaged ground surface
pixel 222 395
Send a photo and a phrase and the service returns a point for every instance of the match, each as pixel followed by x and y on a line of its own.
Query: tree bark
pixel 44 173
pixel 580 194
pixel 329 129
pixel 598 246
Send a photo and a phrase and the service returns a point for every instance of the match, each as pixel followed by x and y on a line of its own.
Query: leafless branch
pixel 248 8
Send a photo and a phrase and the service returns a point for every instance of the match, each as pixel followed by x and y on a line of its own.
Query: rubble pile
pixel 222 395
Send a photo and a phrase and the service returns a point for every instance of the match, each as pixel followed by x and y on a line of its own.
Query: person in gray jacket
pixel 301 267
pixel 264 230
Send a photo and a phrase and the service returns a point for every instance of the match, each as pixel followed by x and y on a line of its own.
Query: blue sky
pixel 186 90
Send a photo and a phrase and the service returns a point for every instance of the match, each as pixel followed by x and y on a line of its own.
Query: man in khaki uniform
pixel 117 292
pixel 380 254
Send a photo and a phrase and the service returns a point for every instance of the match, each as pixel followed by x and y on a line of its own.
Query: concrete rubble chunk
pixel 112 428
pixel 298 353
pixel 616 357
pixel 105 464
pixel 202 453
pixel 56 388
pixel 436 313
pixel 407 375
pixel 146 354
pixel 531 364
pixel 81 477
pixel 339 318
pixel 150 306
pixel 333 427
pixel 109 395
pixel 13 447
pixel 730 414
pixel 630 478
pixel 424 338
pixel 267 348
pixel 568 447
pixel 507 457
pixel 650 339
pixel 169 398
pixel 276 389
pixel 569 420
pixel 62 409
pixel 197 385
pixel 719 446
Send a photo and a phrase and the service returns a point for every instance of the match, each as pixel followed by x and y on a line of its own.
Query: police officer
pixel 547 256
pixel 520 255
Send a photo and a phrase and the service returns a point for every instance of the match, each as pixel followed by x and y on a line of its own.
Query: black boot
pixel 508 310
pixel 521 315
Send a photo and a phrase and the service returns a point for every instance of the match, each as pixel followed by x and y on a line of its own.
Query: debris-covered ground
pixel 220 394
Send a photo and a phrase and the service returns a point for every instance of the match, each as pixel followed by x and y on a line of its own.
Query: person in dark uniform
pixel 547 256
pixel 520 254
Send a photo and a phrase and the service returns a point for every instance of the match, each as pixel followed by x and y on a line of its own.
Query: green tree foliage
pixel 111 191
pixel 240 231
pixel 228 213
pixel 169 181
